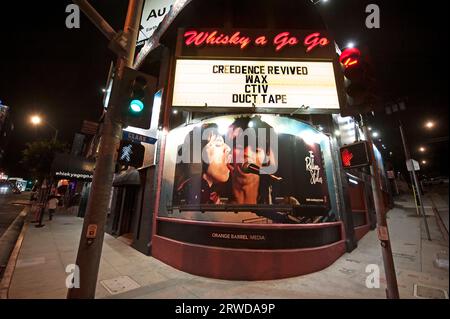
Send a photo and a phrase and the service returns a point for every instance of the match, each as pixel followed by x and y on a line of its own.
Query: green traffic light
pixel 136 106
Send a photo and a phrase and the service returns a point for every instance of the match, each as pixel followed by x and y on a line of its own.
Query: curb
pixel 13 252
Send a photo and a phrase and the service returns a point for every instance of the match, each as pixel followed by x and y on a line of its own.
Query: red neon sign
pixel 280 41
pixel 283 39
pixel 350 62
pixel 214 38
pixel 347 158
pixel 350 57
pixel 313 40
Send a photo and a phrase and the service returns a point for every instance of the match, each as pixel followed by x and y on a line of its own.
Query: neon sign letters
pixel 237 39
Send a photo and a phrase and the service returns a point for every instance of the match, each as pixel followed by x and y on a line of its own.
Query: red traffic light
pixel 350 57
pixel 355 155
pixel 346 158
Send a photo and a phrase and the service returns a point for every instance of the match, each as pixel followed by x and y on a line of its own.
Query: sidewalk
pixel 126 273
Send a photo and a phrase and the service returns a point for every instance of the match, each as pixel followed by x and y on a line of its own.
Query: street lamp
pixel 429 124
pixel 422 149
pixel 37 120
pixel 424 162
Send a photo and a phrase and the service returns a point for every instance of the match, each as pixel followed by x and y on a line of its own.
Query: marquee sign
pixel 251 83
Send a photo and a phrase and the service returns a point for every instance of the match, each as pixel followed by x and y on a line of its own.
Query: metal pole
pixel 96 19
pixel 56 135
pixel 91 241
pixel 382 228
pixel 415 202
pixel 415 180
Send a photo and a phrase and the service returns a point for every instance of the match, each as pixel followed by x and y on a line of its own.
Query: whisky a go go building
pixel 244 181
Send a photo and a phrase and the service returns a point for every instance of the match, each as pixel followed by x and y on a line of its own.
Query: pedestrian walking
pixel 52 204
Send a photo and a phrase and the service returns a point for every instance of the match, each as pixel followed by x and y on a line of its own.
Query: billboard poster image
pixel 248 169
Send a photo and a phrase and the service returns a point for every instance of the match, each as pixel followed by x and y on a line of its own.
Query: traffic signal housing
pixel 131 154
pixel 359 82
pixel 355 155
pixel 136 95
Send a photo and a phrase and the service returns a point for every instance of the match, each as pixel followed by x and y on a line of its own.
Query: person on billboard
pixel 248 186
pixel 204 187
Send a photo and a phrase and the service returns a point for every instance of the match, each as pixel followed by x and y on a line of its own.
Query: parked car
pixel 436 180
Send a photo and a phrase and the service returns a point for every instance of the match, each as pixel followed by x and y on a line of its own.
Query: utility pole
pixel 382 229
pixel 415 179
pixel 91 241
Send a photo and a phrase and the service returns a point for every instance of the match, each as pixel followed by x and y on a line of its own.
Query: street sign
pixel 412 163
pixel 89 128
pixel 382 233
pixel 138 138
pixel 91 231
pixel 153 13
pixel 355 155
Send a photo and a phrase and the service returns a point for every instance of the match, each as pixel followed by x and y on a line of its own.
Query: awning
pixel 130 177
pixel 67 166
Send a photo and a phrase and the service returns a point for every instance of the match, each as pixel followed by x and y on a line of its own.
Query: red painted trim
pixel 245 264
pixel 361 231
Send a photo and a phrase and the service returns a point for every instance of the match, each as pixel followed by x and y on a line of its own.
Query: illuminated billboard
pixel 248 169
pixel 260 84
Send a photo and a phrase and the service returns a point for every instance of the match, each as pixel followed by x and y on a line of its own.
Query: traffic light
pixel 131 154
pixel 359 82
pixel 355 155
pixel 137 93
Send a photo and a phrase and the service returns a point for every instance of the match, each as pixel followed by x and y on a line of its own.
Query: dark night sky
pixel 49 69
pixel 59 73
pixel 408 52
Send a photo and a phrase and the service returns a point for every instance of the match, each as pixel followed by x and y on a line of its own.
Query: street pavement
pixel 126 273
pixel 10 207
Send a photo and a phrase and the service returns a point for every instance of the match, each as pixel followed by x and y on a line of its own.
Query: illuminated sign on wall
pixel 297 44
pixel 268 84
pixel 241 40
